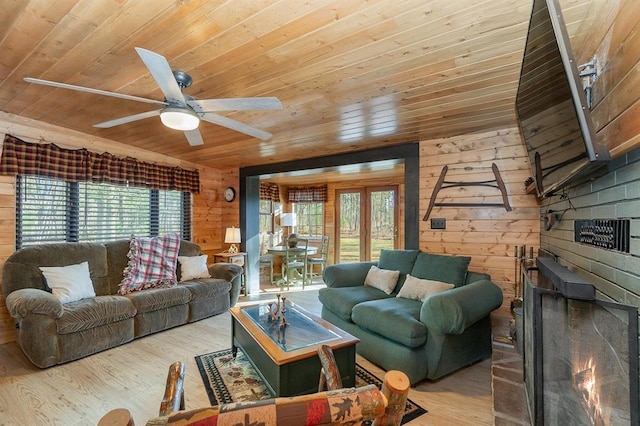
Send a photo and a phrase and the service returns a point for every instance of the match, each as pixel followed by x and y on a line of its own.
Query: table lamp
pixel 288 220
pixel 232 236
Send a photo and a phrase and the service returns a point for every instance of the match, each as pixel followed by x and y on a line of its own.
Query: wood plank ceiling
pixel 351 74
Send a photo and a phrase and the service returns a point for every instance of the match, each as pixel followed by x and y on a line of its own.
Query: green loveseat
pixel 424 339
pixel 51 332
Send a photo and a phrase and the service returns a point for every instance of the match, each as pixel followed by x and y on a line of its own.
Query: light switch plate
pixel 438 223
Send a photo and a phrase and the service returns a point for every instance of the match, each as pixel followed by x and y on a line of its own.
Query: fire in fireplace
pixel 580 353
pixel 585 382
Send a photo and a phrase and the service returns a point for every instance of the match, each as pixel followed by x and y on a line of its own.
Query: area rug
pixel 234 380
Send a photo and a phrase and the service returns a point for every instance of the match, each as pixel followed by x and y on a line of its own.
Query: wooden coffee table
pixel 288 362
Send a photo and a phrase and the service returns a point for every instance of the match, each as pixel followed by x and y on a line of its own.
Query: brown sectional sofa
pixel 51 333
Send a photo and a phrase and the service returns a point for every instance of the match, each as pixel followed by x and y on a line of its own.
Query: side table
pixel 237 259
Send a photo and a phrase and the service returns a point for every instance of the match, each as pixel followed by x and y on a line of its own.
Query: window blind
pixel 50 210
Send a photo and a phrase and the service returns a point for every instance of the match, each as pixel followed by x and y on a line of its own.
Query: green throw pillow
pixel 438 267
pixel 398 260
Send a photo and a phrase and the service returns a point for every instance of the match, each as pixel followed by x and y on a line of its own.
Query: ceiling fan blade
pixel 235 125
pixel 127 119
pixel 161 72
pixel 90 90
pixel 236 104
pixel 194 137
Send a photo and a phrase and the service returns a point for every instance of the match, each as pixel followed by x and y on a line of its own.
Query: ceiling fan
pixel 180 111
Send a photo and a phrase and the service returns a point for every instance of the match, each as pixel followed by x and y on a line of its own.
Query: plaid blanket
pixel 152 263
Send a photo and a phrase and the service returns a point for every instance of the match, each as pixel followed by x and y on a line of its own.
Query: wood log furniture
pixel 395 388
pixel 360 404
pixel 117 417
pixel 287 357
pixel 173 399
pixel 329 373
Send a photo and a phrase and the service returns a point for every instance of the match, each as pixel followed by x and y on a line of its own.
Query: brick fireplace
pixel 580 353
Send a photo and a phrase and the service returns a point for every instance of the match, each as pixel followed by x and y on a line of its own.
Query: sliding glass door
pixel 367 222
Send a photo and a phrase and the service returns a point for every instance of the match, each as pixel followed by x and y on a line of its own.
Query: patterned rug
pixel 233 380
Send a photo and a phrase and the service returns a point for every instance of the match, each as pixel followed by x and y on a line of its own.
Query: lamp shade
pixel 288 219
pixel 179 118
pixel 232 236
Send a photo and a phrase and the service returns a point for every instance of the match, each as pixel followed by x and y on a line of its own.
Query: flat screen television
pixel 552 109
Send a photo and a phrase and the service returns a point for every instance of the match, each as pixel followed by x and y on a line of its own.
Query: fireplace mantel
pixel 569 284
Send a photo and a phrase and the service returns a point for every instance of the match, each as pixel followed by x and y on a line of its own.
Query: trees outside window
pixel 310 219
pixel 50 210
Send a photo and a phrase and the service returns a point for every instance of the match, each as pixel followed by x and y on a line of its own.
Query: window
pixel 266 216
pixel 309 217
pixel 50 210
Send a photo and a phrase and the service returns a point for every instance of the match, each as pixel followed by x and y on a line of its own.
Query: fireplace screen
pixel 581 360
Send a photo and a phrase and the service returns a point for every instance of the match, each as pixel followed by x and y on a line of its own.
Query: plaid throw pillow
pixel 152 263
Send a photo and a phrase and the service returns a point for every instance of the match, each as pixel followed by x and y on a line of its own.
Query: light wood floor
pixel 133 376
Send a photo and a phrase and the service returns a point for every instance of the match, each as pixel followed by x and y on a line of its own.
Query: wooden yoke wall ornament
pixel 497 182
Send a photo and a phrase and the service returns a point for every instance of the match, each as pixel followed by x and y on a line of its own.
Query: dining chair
pixel 295 262
pixel 319 259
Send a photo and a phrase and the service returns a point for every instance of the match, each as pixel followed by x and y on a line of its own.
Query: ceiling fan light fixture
pixel 179 118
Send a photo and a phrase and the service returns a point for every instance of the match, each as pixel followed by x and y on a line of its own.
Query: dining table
pixel 281 252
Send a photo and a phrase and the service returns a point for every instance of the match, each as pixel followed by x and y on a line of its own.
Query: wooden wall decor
pixel 497 182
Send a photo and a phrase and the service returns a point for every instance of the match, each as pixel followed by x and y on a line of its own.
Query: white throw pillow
pixel 193 267
pixel 382 279
pixel 69 283
pixel 419 289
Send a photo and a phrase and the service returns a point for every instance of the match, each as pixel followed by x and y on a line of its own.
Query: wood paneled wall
pixel 488 234
pixel 611 34
pixel 210 213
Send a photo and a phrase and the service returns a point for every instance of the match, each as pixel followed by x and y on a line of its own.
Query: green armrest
pixel 21 303
pixel 452 311
pixel 346 274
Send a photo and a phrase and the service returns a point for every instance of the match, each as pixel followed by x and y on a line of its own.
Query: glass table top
pixel 300 331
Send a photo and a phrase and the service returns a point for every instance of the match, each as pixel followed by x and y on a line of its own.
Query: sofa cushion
pixel 94 312
pixel 152 263
pixel 419 289
pixel 205 288
pixel 159 298
pixel 400 260
pixel 382 279
pixel 438 267
pixel 69 283
pixel 396 319
pixel 341 300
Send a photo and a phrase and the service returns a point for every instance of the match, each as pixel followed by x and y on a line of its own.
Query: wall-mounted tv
pixel 551 106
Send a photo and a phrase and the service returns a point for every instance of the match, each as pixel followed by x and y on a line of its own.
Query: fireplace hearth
pixel 580 353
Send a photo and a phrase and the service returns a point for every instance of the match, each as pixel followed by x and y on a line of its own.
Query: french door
pixel 367 221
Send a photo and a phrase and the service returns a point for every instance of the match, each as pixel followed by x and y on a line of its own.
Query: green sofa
pixel 51 332
pixel 424 339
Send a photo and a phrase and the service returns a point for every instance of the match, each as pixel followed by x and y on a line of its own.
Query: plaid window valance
pixel 270 192
pixel 308 194
pixel 80 165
